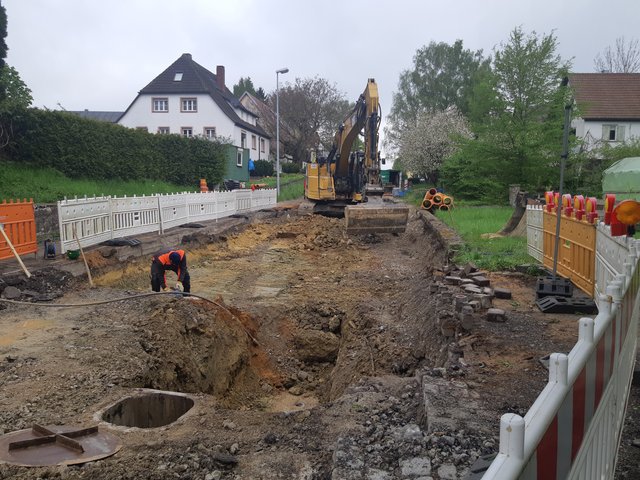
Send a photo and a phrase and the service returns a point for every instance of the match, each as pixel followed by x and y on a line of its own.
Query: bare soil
pixel 309 360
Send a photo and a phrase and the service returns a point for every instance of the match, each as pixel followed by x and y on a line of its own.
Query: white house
pixel 609 107
pixel 190 100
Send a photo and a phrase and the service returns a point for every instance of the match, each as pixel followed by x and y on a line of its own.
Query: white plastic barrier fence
pixel 611 253
pixel 535 232
pixel 573 429
pixel 99 219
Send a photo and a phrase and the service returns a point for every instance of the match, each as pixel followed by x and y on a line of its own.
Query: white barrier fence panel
pixel 99 219
pixel 535 231
pixel 611 253
pixel 91 218
pixel 573 429
pixel 134 215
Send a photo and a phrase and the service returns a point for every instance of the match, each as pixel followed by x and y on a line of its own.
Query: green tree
pixel 3 34
pixel 315 108
pixel 517 116
pixel 260 94
pixel 442 76
pixel 244 85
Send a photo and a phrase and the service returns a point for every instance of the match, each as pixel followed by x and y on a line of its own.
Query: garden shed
pixel 623 179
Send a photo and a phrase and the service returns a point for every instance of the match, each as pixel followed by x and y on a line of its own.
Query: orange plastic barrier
pixel 19 222
pixel 577 249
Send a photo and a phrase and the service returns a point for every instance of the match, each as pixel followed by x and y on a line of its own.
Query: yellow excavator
pixel 349 182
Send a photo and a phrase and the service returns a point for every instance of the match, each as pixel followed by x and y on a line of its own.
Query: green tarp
pixel 623 179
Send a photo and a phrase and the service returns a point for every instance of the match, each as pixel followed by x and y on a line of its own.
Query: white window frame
pixel 207 132
pixel 254 142
pixel 164 130
pixel 188 104
pixel 239 157
pixel 243 139
pixel 158 102
pixel 616 129
pixel 186 132
pixel 177 77
pixel 263 145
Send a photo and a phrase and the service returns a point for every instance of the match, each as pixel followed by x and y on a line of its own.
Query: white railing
pixel 573 429
pixel 535 231
pixel 98 219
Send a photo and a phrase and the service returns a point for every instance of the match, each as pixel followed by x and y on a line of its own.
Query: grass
pixel 291 185
pixel 49 185
pixel 500 253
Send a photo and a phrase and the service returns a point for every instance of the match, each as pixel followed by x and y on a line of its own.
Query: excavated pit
pixel 300 312
pixel 148 410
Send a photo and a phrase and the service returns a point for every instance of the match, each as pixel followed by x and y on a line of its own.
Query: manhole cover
pixel 57 445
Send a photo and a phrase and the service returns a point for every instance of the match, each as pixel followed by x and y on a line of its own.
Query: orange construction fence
pixel 577 239
pixel 18 219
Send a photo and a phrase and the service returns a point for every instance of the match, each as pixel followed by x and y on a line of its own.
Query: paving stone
pixel 447 472
pixel 11 293
pixel 481 281
pixel 502 293
pixel 496 315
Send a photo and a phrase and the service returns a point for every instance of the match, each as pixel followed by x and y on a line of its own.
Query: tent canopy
pixel 623 179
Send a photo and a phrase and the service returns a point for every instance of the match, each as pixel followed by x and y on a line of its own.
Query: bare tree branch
pixel 623 58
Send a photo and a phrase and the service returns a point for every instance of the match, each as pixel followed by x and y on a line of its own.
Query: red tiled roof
pixel 614 96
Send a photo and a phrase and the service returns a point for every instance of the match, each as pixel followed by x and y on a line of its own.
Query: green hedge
pixel 81 148
pixel 263 168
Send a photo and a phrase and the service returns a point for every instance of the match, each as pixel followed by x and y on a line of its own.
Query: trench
pixel 312 345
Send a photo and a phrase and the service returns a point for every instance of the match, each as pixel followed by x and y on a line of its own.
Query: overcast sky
pixel 97 54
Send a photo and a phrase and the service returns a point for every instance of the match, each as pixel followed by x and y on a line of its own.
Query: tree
pixel 313 109
pixel 16 97
pixel 442 76
pixel 434 138
pixel 245 85
pixel 623 58
pixel 3 34
pixel 260 94
pixel 517 112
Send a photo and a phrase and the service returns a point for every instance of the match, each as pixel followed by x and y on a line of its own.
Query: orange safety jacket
pixel 180 269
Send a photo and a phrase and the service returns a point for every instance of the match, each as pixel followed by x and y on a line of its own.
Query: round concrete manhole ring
pixel 57 445
pixel 148 409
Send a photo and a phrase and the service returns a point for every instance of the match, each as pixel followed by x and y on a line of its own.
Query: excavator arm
pixel 347 177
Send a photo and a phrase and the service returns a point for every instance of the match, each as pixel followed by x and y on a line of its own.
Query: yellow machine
pixel 345 180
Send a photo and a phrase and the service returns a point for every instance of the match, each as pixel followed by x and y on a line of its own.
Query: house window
pixel 239 158
pixel 160 104
pixel 210 132
pixel 254 142
pixel 188 104
pixel 177 77
pixel 613 133
pixel 164 130
pixel 187 131
pixel 262 142
pixel 243 139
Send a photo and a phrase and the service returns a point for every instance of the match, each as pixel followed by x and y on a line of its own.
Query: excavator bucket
pixel 363 219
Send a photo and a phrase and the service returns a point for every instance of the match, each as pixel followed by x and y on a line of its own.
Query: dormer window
pixel 178 77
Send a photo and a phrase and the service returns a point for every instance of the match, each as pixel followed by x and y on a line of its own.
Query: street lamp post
pixel 278 72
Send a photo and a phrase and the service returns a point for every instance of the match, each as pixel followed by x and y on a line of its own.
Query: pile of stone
pixel 464 295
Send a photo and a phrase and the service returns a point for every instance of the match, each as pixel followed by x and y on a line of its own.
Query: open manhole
pixel 150 409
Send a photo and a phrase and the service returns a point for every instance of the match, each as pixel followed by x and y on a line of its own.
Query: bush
pixel 263 168
pixel 290 167
pixel 81 148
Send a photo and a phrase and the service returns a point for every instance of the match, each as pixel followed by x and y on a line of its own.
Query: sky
pixel 97 54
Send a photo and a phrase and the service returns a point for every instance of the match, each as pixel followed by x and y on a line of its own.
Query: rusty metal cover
pixel 57 445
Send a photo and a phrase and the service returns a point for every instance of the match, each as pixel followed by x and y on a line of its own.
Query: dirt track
pixel 312 362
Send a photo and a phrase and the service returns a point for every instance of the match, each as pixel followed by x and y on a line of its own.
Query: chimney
pixel 220 76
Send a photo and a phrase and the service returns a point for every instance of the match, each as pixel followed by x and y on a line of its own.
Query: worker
pixel 174 260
